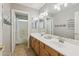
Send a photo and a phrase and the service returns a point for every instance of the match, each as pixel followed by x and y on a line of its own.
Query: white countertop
pixel 65 48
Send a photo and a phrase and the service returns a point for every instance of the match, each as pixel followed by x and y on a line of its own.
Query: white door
pixel 13 30
pixel 14 27
pixel 77 25
pixel 6 29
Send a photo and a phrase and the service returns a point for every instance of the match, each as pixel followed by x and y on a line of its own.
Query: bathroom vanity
pixel 52 47
pixel 41 49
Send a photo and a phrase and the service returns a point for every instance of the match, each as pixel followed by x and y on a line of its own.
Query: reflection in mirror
pixel 34 25
pixel 49 25
pixel 62 24
pixel 41 26
pixel 60 17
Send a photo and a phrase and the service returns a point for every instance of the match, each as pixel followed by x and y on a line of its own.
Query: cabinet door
pixel 30 41
pixel 43 52
pixel 51 51
pixel 37 47
pixel 33 43
pixel 42 45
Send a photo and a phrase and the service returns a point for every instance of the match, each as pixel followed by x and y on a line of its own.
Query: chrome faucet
pixel 42 34
pixel 61 40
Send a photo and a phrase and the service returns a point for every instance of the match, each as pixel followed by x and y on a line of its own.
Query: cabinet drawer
pixel 37 47
pixel 51 51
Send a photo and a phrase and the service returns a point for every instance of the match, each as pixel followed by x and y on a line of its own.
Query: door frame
pixel 14 23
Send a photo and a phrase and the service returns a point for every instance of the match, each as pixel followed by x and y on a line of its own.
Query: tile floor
pixel 22 50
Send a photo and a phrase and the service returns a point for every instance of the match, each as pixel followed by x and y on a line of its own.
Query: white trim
pixel 14 27
pixel 19 11
pixel 23 20
pixel 13 30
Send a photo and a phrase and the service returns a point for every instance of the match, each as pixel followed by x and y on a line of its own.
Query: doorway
pixel 19 28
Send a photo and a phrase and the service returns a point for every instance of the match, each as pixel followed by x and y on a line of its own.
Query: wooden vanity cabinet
pixel 42 49
pixel 51 51
pixel 34 43
pixel 43 52
pixel 30 41
pixel 37 48
pixel 60 54
pixel 42 45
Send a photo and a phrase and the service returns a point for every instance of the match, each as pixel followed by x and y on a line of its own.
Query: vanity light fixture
pixel 55 6
pixel 58 6
pixel 65 4
pixel 44 14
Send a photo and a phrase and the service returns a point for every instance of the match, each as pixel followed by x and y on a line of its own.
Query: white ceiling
pixel 34 5
pixel 48 6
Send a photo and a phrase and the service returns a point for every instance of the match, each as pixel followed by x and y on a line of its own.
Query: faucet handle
pixel 61 40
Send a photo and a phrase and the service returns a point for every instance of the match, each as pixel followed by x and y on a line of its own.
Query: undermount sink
pixel 48 37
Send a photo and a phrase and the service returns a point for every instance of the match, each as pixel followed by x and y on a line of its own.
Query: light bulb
pixel 58 7
pixel 55 6
pixel 65 4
